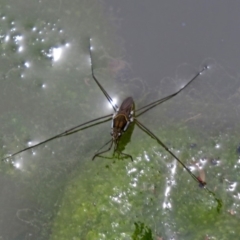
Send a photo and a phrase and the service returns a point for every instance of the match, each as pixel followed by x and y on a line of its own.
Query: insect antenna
pixel 114 106
pixel 155 103
pixel 65 133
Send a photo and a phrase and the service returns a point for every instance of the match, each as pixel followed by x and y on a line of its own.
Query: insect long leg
pixel 66 133
pixel 83 128
pixel 115 107
pixel 201 183
pixel 155 103
pixel 98 154
pixel 151 134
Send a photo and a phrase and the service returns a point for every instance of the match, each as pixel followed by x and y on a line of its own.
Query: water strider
pixel 122 118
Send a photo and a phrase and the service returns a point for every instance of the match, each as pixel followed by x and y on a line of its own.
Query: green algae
pixel 105 198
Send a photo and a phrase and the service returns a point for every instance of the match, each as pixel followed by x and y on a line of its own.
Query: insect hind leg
pixel 110 100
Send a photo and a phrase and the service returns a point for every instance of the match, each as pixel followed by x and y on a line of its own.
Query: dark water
pixel 146 50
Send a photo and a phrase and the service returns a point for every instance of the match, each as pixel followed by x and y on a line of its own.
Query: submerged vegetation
pixel 105 199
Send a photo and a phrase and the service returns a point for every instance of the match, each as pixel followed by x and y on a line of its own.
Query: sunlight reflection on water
pixel 168 186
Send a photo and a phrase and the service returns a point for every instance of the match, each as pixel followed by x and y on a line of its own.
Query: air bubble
pixel 20 49
pixel 27 64
pixel 17 165
pixel 7 37
pixel 18 38
pixel 217 146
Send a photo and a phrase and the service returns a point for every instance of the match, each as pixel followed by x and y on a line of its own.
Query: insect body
pixel 120 123
pixel 121 119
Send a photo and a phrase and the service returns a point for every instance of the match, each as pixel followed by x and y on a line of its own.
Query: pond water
pixel 55 191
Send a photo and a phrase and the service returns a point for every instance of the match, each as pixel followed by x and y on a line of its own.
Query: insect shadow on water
pixel 122 118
